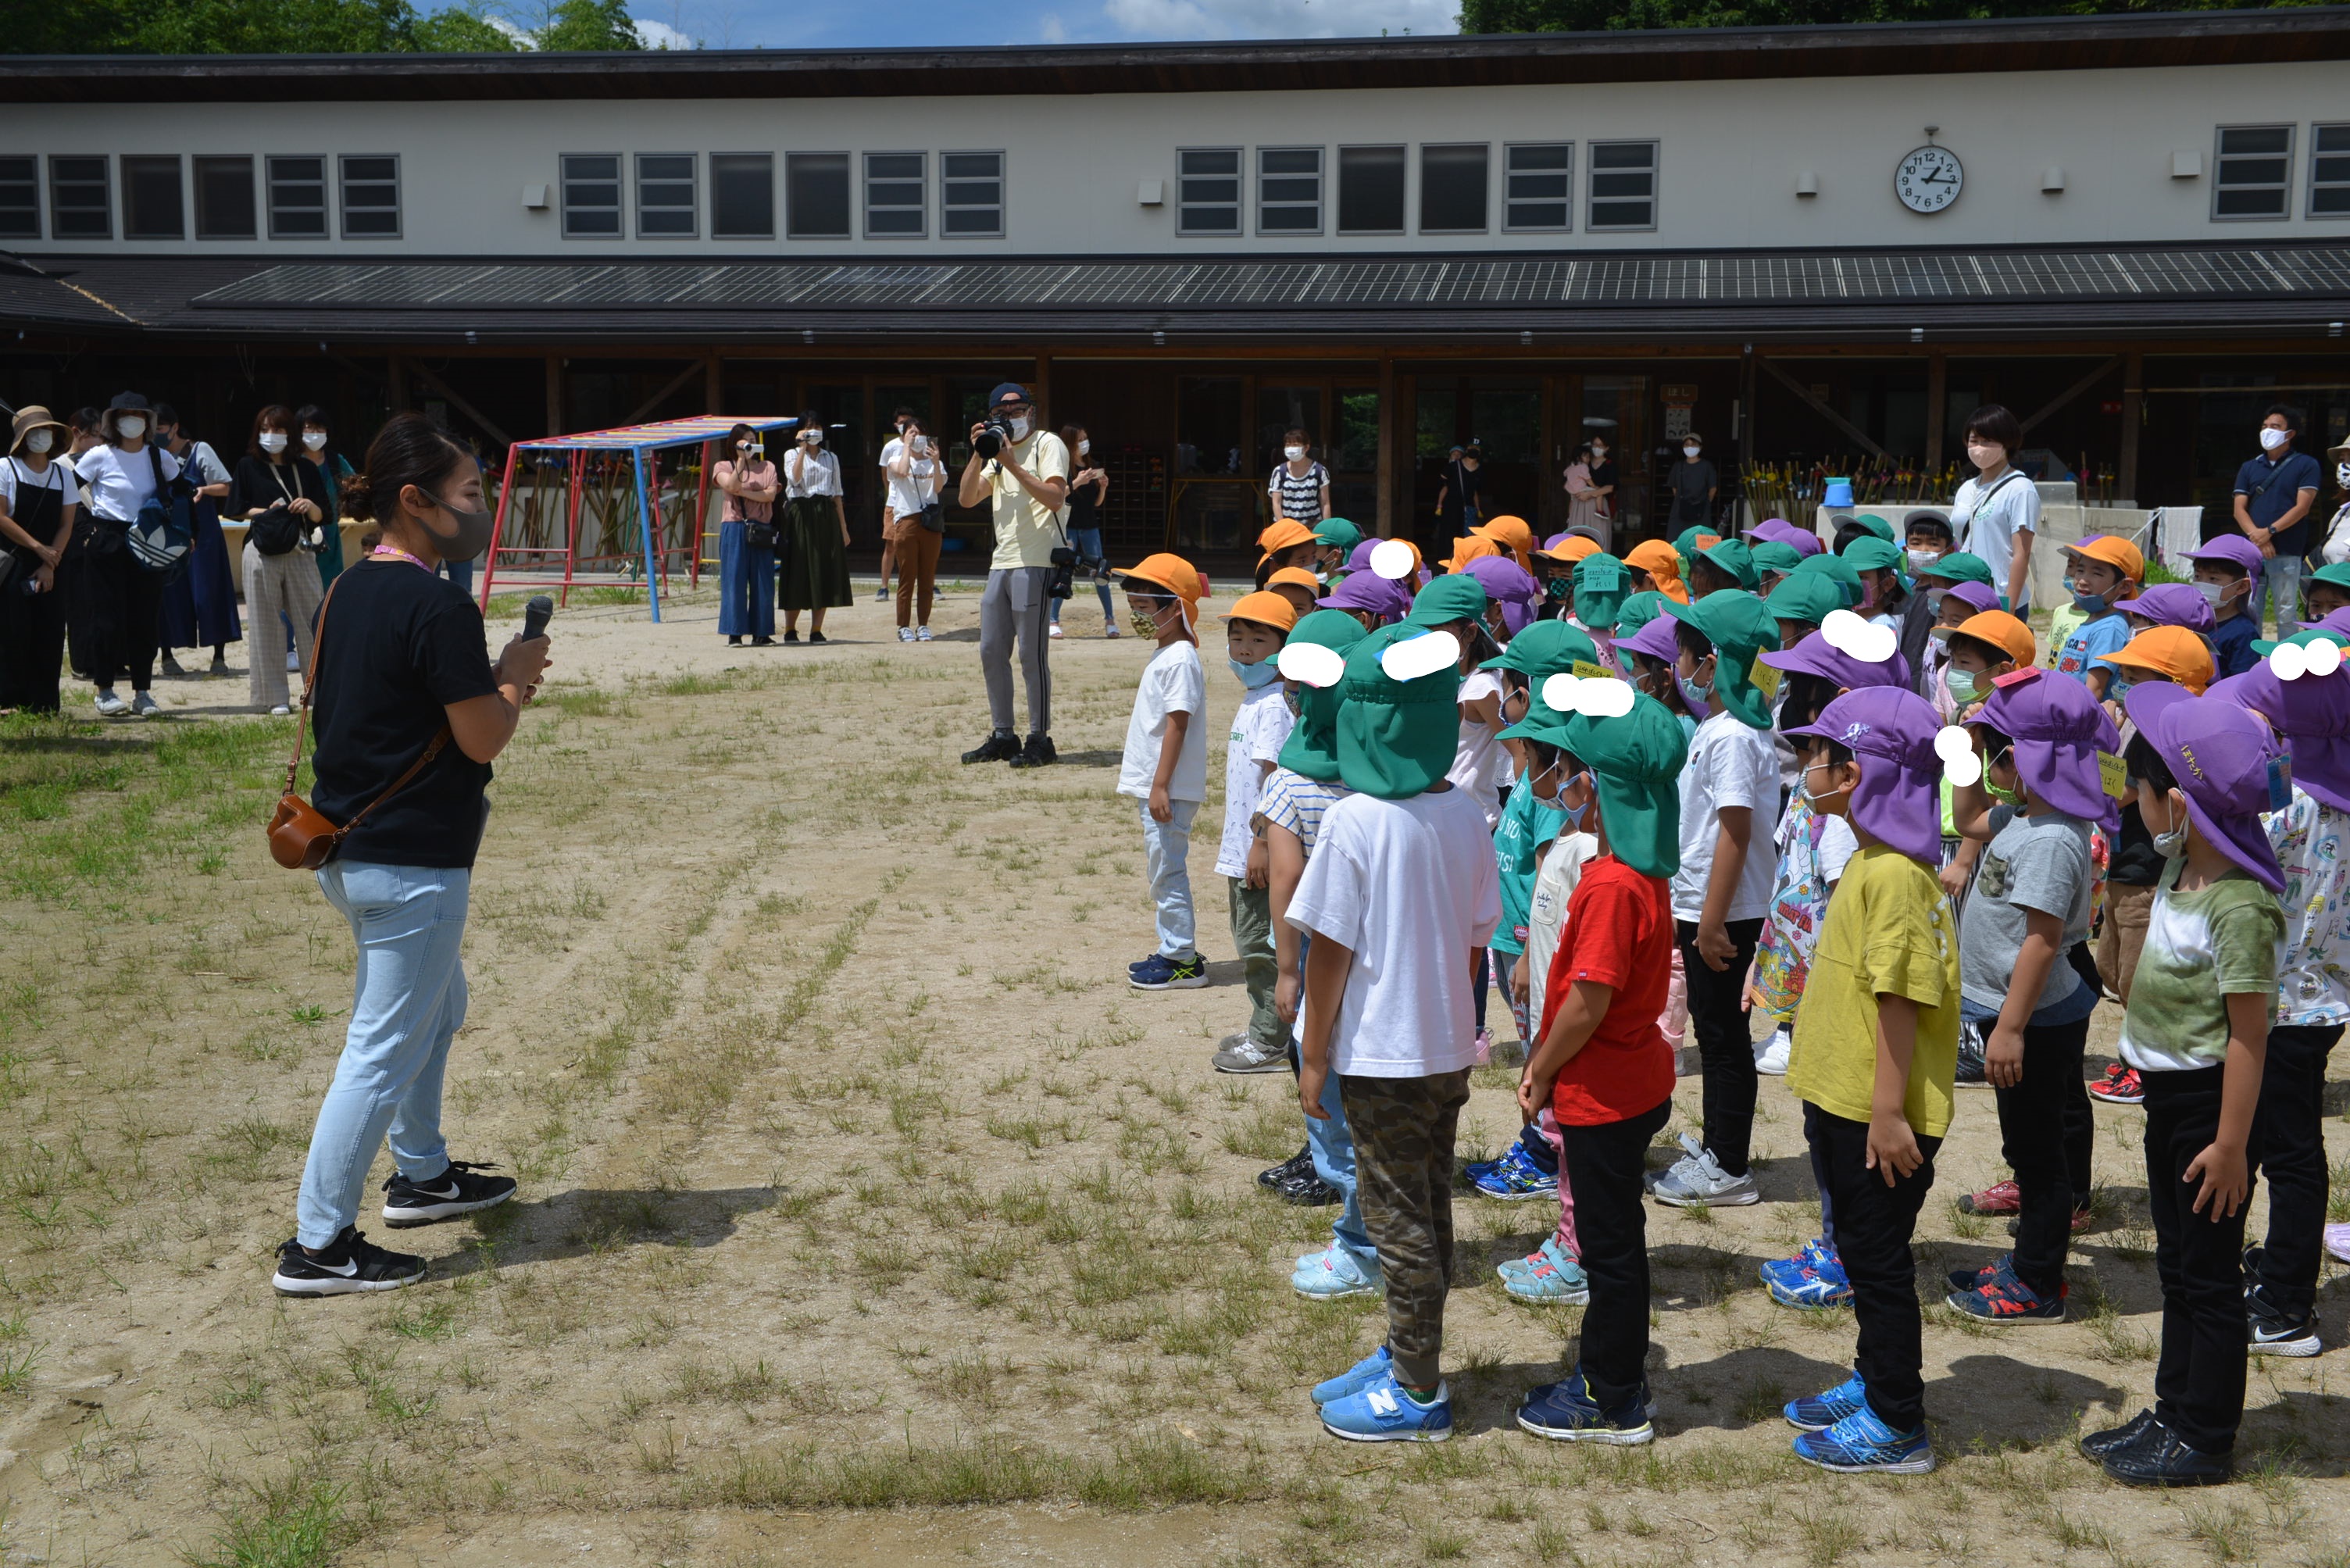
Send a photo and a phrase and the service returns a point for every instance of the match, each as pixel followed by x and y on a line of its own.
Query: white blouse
pixel 820 476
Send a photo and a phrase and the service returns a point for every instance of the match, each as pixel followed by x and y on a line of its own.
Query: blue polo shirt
pixel 2232 645
pixel 2279 485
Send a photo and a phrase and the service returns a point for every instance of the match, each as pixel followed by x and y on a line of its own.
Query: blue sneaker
pixel 1550 1251
pixel 1810 1255
pixel 1565 1412
pixel 1861 1443
pixel 1159 972
pixel 1557 1280
pixel 2005 1299
pixel 1513 1178
pixel 1815 1289
pixel 1818 1412
pixel 1335 1273
pixel 1384 1413
pixel 1356 1379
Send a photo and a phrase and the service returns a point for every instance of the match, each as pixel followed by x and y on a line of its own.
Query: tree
pixel 1609 16
pixel 590 25
pixel 307 27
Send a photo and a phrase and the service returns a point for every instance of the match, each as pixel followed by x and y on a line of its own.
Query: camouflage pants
pixel 1403 1131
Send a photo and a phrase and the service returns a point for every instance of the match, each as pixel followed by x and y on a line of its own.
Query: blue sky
pixel 755 24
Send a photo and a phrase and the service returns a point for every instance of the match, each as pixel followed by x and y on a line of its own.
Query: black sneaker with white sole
pixel 352 1264
pixel 456 1190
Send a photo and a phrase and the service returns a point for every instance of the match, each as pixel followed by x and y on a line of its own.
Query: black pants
pixel 1725 1041
pixel 1874 1224
pixel 117 609
pixel 2036 1142
pixel 1603 1171
pixel 2289 1135
pixel 32 643
pixel 2199 1383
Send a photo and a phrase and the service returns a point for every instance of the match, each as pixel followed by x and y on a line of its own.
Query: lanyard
pixel 393 553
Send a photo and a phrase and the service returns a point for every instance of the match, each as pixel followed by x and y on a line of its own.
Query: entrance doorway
pixel 1500 416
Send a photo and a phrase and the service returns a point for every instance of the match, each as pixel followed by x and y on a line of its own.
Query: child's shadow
pixel 1998 1401
pixel 2301 1430
pixel 1740 1388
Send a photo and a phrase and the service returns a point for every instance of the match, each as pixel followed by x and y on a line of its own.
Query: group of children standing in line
pixel 1839 787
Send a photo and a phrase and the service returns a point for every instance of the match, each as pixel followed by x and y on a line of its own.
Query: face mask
pixel 1084 447
pixel 1695 696
pixel 131 429
pixel 1812 797
pixel 1959 684
pixel 1691 451
pixel 1019 427
pixel 272 440
pixel 1598 453
pixel 1294 453
pixel 2215 594
pixel 472 537
pixel 1986 456
pixel 1923 560
pixel 1558 589
pixel 2272 439
pixel 315 440
pixel 1255 676
pixel 2170 846
pixel 2091 604
pixel 2002 795
pixel 1146 626
pixel 2116 689
pixel 39 441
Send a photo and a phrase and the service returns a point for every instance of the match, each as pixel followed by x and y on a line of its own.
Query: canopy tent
pixel 569 499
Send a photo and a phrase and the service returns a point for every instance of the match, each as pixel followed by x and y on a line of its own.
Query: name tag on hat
pixel 1583 670
pixel 2114 774
pixel 2017 677
pixel 1765 677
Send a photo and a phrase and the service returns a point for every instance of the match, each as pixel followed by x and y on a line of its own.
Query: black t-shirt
pixel 398 644
pixel 258 483
pixel 1690 480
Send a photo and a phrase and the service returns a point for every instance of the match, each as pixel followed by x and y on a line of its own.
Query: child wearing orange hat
pixel 1254 629
pixel 1661 565
pixel 2100 571
pixel 1301 587
pixel 1165 763
pixel 1288 543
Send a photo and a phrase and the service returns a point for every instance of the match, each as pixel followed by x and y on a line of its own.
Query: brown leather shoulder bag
pixel 300 837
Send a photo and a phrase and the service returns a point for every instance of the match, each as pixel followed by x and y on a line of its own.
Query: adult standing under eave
pixel 1022 470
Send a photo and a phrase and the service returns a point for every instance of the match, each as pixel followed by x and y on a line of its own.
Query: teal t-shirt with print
pixel 2201 948
pixel 1526 825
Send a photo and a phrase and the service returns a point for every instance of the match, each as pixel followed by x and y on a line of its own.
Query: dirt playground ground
pixel 866 1216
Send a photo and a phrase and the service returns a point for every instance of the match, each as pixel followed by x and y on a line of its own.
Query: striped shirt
pixel 1299 499
pixel 1296 802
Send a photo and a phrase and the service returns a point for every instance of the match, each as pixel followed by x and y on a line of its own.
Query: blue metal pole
pixel 645 520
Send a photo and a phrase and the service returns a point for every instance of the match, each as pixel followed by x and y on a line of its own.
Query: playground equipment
pixel 600 501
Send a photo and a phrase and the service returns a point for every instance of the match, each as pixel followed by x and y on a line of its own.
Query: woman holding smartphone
pixel 814 575
pixel 1088 491
pixel 746 569
pixel 916 476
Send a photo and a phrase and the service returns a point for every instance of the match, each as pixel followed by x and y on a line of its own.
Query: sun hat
pixel 1663 564
pixel 30 417
pixel 1733 556
pixel 1692 542
pixel 1655 637
pixel 1815 655
pixel 1457 596
pixel 1513 534
pixel 1470 547
pixel 1958 567
pixel 124 403
pixel 1396 738
pixel 1899 801
pixel 1837 570
pixel 2227 762
pixel 1775 556
pixel 2313 714
pixel 2001 631
pixel 2264 647
pixel 2234 549
pixel 2112 550
pixel 1804 596
pixel 1978 598
pixel 1910 519
pixel 1870 554
pixel 1312 748
pixel 1283 534
pixel 1871 527
pixel 2058 730
pixel 1337 532
pixel 2172 652
pixel 1265 607
pixel 1390 601
pixel 1779 531
pixel 1295 577
pixel 1601 584
pixel 1569 548
pixel 2171 604
pixel 1740 629
pixel 1509 586
pixel 2335 573
pixel 1636 764
pixel 1170 573
pixel 1546 648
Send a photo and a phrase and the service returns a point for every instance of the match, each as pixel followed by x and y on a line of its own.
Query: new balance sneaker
pixel 1334 1274
pixel 456 1190
pixel 1557 1279
pixel 1822 1287
pixel 1159 972
pixel 1818 1412
pixel 1565 1412
pixel 2119 1086
pixel 1999 1198
pixel 1514 1177
pixel 2005 1299
pixel 1001 746
pixel 1238 1053
pixel 1550 1251
pixel 1810 1255
pixel 351 1265
pixel 1771 1057
pixel 1385 1413
pixel 2160 1456
pixel 2097 1445
pixel 2271 1331
pixel 1700 1182
pixel 1298 1164
pixel 1370 1369
pixel 1861 1443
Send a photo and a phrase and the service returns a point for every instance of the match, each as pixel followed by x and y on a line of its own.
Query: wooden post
pixel 1386 463
pixel 2133 412
pixel 1937 407
pixel 554 398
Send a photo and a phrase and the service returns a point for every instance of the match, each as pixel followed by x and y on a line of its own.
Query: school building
pixel 1817 246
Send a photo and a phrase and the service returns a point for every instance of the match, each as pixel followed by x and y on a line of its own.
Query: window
pixel 1538 177
pixel 743 195
pixel 224 199
pixel 297 198
pixel 2329 170
pixel 1623 185
pixel 1453 188
pixel 2254 173
pixel 970 195
pixel 591 196
pixel 665 196
pixel 895 184
pixel 20 199
pixel 1370 189
pixel 1288 189
pixel 81 205
pixel 1207 191
pixel 372 198
pixel 816 195
pixel 152 205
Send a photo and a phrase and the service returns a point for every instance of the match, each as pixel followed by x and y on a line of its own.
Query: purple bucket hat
pixel 1814 656
pixel 2058 730
pixel 1981 597
pixel 2338 621
pixel 2232 548
pixel 1778 530
pixel 2172 603
pixel 2225 759
pixel 1367 590
pixel 2312 715
pixel 1899 800
pixel 1656 639
pixel 1509 586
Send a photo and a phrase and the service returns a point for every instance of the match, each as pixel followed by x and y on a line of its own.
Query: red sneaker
pixel 1999 1197
pixel 2119 1086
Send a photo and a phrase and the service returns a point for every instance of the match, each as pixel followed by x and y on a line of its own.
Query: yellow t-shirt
pixel 1888 930
pixel 1028 531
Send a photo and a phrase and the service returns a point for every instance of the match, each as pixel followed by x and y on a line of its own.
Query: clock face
pixel 1928 180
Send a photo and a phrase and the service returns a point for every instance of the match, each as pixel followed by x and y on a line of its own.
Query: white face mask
pixel 1084 447
pixel 133 428
pixel 314 440
pixel 40 441
pixel 1691 451
pixel 272 440
pixel 1598 452
pixel 1294 453
pixel 1019 423
pixel 2272 439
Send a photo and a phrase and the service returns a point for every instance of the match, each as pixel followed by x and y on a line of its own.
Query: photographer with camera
pixel 1024 469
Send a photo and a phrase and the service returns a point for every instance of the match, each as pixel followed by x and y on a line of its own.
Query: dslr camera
pixel 1065 573
pixel 991 440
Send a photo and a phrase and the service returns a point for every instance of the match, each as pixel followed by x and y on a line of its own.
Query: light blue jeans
pixel 1167 846
pixel 409 1000
pixel 1087 543
pixel 2280 585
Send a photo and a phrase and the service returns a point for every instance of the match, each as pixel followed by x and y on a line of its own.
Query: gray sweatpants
pixel 1015 608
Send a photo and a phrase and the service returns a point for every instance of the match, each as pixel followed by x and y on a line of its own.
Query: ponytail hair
pixel 409 450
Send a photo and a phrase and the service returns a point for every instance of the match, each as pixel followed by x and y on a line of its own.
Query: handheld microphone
pixel 534 617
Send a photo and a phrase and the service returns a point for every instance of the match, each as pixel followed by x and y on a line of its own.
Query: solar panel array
pixel 2018 276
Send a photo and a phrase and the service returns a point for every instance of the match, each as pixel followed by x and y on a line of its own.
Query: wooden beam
pixel 555 394
pixel 1821 407
pixel 2075 390
pixel 2133 415
pixel 675 384
pixel 434 383
pixel 1383 518
pixel 713 384
pixel 1938 408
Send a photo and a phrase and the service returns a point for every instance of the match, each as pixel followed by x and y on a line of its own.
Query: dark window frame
pixel 139 169
pixel 921 180
pixel 1594 198
pixel 1265 204
pixel 808 162
pixel 692 208
pixel 2321 155
pixel 1484 224
pixel 1564 199
pixel 22 171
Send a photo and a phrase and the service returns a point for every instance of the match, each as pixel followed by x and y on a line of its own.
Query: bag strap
pixel 302 726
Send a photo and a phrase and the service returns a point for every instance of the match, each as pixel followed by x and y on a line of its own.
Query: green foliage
pixel 1612 16
pixel 597 25
pixel 311 27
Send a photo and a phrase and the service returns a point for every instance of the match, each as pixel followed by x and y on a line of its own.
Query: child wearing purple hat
pixel 1371 598
pixel 2226 569
pixel 2195 1030
pixel 1877 1044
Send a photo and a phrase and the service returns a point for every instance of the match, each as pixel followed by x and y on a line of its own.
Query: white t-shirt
pixel 1261 726
pixel 16 474
pixel 1562 869
pixel 1988 529
pixel 120 482
pixel 1728 765
pixel 804 476
pixel 1412 888
pixel 917 489
pixel 1481 764
pixel 1172 683
pixel 209 468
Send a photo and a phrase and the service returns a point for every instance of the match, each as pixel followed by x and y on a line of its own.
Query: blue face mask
pixel 1254 676
pixel 2116 688
pixel 2089 604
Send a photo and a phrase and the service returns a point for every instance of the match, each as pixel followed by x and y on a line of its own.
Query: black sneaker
pixel 733 643
pixel 456 1190
pixel 2097 1445
pixel 2161 1458
pixel 816 637
pixel 791 637
pixel 1970 1072
pixel 1001 746
pixel 1037 753
pixel 763 642
pixel 1297 1165
pixel 351 1265
pixel 1308 1191
pixel 2270 1330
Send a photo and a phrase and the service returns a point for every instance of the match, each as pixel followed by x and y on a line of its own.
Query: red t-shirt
pixel 1619 933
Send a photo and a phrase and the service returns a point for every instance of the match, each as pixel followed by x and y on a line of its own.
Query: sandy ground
pixel 866 1215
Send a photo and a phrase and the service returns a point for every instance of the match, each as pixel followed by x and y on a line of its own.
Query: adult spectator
pixel 87 432
pixel 200 600
pixel 746 541
pixel 917 477
pixel 1088 491
pixel 39 493
pixel 1026 483
pixel 1996 514
pixel 410 713
pixel 1300 487
pixel 814 575
pixel 283 499
pixel 1693 485
pixel 2333 543
pixel 120 602
pixel 1588 509
pixel 891 451
pixel 2274 494
pixel 334 468
pixel 1458 494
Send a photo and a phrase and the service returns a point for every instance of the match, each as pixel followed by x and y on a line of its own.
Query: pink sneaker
pixel 2338 1241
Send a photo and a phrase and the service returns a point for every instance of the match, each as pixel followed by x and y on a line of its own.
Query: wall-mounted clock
pixel 1928 178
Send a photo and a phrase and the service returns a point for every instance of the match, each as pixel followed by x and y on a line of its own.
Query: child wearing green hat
pixel 1400 899
pixel 1884 595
